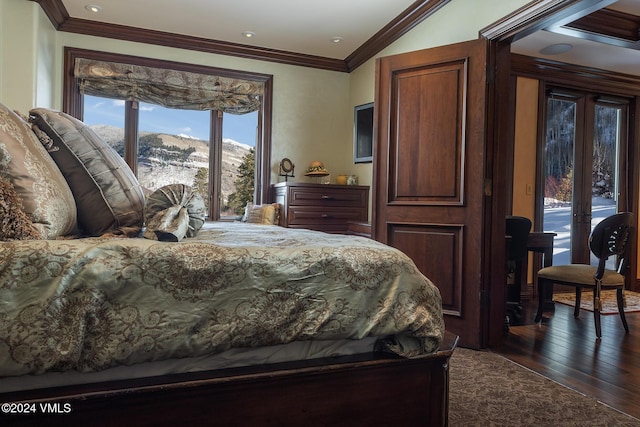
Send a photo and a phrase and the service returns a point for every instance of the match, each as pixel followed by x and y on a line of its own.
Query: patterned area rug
pixel 609 304
pixel 488 390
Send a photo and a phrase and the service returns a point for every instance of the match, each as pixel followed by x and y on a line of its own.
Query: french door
pixel 584 168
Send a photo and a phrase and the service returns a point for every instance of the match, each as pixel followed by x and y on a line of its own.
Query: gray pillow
pixel 108 195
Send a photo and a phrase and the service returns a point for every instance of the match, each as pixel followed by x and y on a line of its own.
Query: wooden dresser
pixel 323 207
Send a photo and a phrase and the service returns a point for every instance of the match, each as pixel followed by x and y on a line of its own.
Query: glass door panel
pixel 558 179
pixel 605 187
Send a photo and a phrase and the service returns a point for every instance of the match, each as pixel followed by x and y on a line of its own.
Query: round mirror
pixel 286 165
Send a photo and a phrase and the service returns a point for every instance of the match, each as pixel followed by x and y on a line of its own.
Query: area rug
pixel 487 389
pixel 609 304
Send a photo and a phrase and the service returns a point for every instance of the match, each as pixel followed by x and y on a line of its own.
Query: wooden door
pixel 429 173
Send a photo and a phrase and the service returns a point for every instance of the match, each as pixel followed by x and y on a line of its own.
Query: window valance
pixel 166 87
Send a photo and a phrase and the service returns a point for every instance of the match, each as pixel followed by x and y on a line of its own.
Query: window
pixel 206 149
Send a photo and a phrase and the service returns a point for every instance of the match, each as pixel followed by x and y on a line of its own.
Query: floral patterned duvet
pixel 94 303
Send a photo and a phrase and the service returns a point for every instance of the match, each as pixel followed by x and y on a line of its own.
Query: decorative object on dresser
pixel 286 168
pixel 316 168
pixel 318 173
pixel 322 207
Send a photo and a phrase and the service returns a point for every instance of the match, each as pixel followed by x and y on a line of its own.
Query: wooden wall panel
pixel 427 160
pixel 436 251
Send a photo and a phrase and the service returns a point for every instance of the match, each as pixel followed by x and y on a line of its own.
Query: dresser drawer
pixel 346 197
pixel 301 215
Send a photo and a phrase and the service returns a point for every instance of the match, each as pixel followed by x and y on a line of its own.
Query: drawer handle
pixel 325 216
pixel 326 197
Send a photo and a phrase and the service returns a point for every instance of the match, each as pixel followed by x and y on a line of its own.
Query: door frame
pixel 500 132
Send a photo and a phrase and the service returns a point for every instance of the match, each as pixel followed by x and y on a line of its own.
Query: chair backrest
pixel 518 228
pixel 610 237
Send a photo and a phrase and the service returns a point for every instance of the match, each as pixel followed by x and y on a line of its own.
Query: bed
pixel 119 310
pixel 93 307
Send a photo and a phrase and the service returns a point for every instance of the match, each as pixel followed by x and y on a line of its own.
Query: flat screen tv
pixel 363 134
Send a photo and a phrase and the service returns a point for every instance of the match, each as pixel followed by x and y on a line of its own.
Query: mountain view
pixel 169 159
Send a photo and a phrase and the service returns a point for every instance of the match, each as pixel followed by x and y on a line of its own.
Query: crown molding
pixel 412 16
pixel 160 38
pixel 55 11
pixel 568 74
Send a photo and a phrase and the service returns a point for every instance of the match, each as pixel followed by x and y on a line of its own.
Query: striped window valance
pixel 166 87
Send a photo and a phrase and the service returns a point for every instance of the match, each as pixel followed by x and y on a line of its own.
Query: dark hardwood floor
pixel 566 350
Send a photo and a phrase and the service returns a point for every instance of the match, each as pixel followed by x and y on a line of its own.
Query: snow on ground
pixel 557 218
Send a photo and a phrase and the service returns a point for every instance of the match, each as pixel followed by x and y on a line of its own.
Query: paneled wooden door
pixel 429 172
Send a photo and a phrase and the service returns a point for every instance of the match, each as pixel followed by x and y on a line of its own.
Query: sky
pixel 153 118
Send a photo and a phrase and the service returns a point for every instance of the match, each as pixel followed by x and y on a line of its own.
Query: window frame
pixel 72 104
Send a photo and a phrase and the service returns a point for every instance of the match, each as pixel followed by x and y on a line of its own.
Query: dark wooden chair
pixel 517 228
pixel 608 238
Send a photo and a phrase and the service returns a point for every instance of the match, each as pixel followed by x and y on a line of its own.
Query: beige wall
pixel 18 38
pixel 27 55
pixel 524 156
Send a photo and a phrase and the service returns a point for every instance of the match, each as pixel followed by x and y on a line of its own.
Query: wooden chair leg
pixel 541 286
pixel 576 308
pixel 596 318
pixel 596 312
pixel 620 298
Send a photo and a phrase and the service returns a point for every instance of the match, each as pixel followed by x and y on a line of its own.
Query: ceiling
pixel 605 52
pixel 309 29
pixel 290 25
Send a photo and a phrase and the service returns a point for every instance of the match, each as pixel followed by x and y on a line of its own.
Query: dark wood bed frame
pixel 363 390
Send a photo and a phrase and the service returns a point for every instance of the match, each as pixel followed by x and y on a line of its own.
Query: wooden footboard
pixel 347 391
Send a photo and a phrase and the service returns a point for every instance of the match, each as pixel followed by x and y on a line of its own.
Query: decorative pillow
pixel 173 212
pixel 108 195
pixel 168 225
pixel 264 214
pixel 46 197
pixel 14 223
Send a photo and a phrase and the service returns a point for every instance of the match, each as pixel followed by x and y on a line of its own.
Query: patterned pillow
pixel 14 223
pixel 264 214
pixel 108 195
pixel 46 197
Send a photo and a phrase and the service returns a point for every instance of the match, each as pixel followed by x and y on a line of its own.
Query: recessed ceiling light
pixel 556 49
pixel 336 39
pixel 93 8
pixel 249 34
